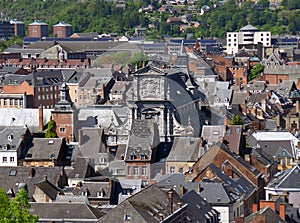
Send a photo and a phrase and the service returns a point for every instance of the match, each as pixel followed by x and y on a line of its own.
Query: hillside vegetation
pixel 105 17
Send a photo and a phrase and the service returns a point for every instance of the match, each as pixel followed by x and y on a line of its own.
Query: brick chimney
pixel 264 204
pixel 254 207
pixel 41 117
pixel 170 195
pixel 282 211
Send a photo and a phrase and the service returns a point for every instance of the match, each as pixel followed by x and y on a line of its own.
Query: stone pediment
pixel 150 70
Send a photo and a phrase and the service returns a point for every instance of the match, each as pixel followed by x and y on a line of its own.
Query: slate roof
pixel 21 117
pixel 77 212
pixel 273 142
pixel 288 180
pixel 49 189
pixel 91 143
pixel 12 136
pixel 142 139
pixel 198 208
pixel 144 206
pixel 16 177
pixel 217 193
pixel 184 149
pixel 240 185
pixel 248 28
pixel 270 216
pixel 213 133
pixel 44 149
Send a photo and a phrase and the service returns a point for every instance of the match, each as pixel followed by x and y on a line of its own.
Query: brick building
pixel 64 115
pixel 38 29
pixel 62 29
pixel 19 27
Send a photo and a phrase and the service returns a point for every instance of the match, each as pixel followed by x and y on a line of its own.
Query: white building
pixel 247 36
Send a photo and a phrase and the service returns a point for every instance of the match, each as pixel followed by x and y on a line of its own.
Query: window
pixel 16 102
pixel 135 170
pixel 39 97
pixel 172 169
pixel 4 159
pixel 12 159
pixel 63 130
pixel 5 102
pixel 11 102
pixel 21 102
pixel 127 217
pixel 144 170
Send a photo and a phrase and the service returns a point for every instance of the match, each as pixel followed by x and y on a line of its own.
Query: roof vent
pixel 10 137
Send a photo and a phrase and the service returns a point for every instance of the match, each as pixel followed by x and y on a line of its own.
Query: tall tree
pixel 4 206
pixel 51 130
pixel 20 208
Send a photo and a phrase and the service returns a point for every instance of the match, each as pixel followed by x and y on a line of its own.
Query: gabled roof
pixel 144 206
pixel 19 176
pixel 12 136
pixel 48 188
pixel 66 211
pixel 198 209
pixel 190 153
pixel 270 216
pixel 217 193
pixel 248 28
pixel 288 180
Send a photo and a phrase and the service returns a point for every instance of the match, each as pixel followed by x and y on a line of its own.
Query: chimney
pixel 179 204
pixel 254 207
pixel 41 117
pixel 282 211
pixel 181 190
pixel 45 178
pixel 199 188
pixel 161 217
pixel 170 194
pixel 264 204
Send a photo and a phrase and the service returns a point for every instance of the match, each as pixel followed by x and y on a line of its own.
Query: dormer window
pixel 132 156
pixel 143 157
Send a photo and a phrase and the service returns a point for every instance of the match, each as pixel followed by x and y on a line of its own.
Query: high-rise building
pixel 247 37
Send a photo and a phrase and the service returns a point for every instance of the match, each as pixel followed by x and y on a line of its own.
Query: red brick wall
pixel 64 120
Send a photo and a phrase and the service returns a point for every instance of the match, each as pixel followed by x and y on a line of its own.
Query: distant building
pixel 248 37
pixel 6 30
pixel 62 29
pixel 19 27
pixel 38 29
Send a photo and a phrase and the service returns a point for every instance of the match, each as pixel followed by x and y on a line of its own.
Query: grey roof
pixel 37 22
pixel 184 149
pixel 91 143
pixel 142 138
pixel 14 177
pixel 217 193
pixel 44 149
pixel 49 189
pixel 77 212
pixel 240 185
pixel 248 27
pixel 199 210
pixel 144 206
pixel 213 133
pixel 12 136
pixel 62 24
pixel 71 199
pixel 273 142
pixel 97 117
pixel 288 180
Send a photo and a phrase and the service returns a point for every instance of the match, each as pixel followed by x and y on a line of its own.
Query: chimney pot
pixel 45 177
pixel 170 194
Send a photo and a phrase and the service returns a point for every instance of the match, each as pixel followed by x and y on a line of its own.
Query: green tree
pixel 51 130
pixel 4 206
pixel 237 120
pixel 139 59
pixel 19 208
pixel 256 71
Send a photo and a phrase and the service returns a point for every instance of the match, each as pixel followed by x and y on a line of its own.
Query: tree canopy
pixel 51 130
pixel 16 210
pixel 256 71
pixel 237 120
